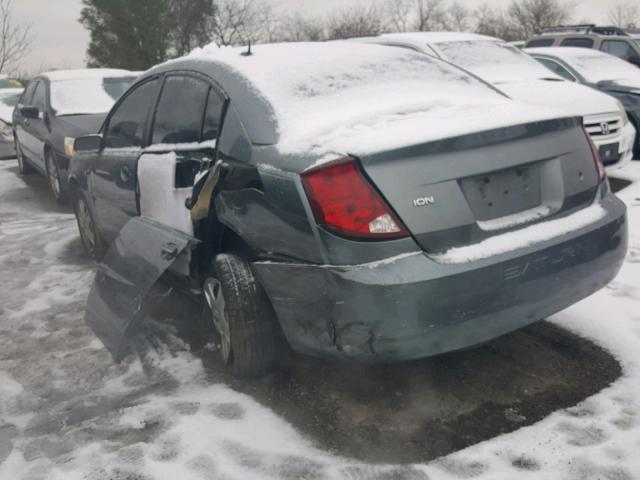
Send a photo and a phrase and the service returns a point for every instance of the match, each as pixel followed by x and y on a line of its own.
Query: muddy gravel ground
pixel 60 391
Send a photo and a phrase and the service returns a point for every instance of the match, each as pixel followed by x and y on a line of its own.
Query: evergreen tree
pixel 139 34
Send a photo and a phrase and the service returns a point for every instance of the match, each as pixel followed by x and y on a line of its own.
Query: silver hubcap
pixel 86 225
pixel 215 299
pixel 54 178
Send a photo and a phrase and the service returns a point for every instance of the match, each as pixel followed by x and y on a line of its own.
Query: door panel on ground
pixel 143 251
pixel 114 174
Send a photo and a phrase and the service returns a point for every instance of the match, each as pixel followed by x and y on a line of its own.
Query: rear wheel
pixel 53 174
pixel 23 166
pixel 242 316
pixel 91 240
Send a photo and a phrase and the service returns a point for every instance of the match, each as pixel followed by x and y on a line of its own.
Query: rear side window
pixel 180 111
pixel 127 123
pixel 577 42
pixel 540 42
pixel 618 48
pixel 213 116
pixel 40 97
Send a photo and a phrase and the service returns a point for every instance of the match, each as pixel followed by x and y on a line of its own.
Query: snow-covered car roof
pixel 348 97
pixel 87 91
pixel 85 73
pixel 490 58
pixel 594 66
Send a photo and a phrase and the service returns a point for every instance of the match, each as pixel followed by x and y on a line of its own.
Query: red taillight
pixel 345 202
pixel 597 159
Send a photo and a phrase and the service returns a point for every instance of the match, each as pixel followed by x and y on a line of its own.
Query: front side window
pixel 620 49
pixel 577 42
pixel 127 123
pixel 556 68
pixel 180 111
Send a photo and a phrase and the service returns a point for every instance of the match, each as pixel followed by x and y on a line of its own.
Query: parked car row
pixel 56 108
pixel 613 40
pixel 520 77
pixel 379 199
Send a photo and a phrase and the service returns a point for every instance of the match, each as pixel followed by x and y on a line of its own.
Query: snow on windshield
pixel 330 97
pixel 75 96
pixel 598 67
pixel 494 61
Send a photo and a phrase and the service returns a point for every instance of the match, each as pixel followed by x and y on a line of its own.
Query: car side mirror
pixel 635 61
pixel 30 112
pixel 88 143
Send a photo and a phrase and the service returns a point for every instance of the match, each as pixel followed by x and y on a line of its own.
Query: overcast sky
pixel 60 41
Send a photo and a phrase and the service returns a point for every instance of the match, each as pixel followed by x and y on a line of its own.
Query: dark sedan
pixel 365 202
pixel 598 70
pixel 57 107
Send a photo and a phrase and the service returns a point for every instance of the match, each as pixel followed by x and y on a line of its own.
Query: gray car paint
pixel 331 300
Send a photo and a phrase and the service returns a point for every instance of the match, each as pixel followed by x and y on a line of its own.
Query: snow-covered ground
pixel 73 414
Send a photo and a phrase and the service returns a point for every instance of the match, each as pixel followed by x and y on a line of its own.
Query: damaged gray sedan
pixel 358 201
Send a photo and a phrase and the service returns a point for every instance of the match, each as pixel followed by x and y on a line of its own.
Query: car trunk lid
pixel 462 190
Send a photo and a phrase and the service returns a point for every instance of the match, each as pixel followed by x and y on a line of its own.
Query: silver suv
pixel 613 40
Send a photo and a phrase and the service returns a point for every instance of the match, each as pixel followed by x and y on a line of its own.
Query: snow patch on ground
pixel 73 414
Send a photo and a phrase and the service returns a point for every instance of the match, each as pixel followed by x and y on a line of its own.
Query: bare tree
pixel 15 38
pixel 431 15
pixel 296 28
pixel 493 22
pixel 531 16
pixel 457 18
pixel 359 21
pixel 625 15
pixel 268 24
pixel 235 22
pixel 400 15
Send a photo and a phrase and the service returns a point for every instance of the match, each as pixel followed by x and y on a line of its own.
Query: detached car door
pixel 114 173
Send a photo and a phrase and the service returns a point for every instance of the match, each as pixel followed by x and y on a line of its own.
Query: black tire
pixel 53 175
pixel 248 314
pixel 92 242
pixel 23 164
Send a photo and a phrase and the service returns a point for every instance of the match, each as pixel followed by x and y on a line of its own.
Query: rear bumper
pixel 411 307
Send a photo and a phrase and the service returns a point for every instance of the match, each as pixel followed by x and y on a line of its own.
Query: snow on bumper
pixel 412 306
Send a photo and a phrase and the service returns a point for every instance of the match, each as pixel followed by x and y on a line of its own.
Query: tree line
pixel 136 34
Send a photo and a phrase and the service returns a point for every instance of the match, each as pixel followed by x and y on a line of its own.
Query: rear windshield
pixel 495 61
pixel 600 67
pixel 87 95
